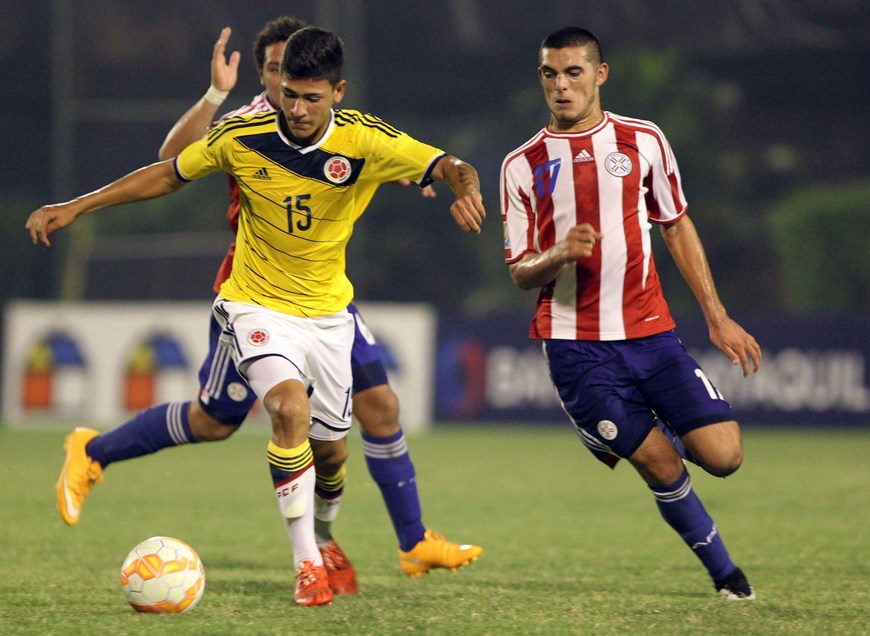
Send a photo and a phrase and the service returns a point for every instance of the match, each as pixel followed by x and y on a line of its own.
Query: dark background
pixel 765 104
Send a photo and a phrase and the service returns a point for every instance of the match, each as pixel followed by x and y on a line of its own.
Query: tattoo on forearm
pixel 468 175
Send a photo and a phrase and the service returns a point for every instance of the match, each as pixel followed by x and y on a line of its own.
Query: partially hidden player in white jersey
pixel 224 398
pixel 305 173
pixel 578 200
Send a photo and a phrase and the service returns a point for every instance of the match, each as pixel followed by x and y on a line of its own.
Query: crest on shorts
pixel 337 169
pixel 258 337
pixel 618 164
pixel 607 430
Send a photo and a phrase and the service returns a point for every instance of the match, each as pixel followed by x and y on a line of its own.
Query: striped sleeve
pixel 665 200
pixel 517 211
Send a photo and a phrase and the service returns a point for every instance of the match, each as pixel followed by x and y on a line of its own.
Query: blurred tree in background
pixel 821 239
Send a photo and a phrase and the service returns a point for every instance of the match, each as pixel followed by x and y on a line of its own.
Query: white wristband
pixel 215 96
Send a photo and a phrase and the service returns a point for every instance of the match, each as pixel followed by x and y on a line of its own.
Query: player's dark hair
pixel 574 36
pixel 314 53
pixel 277 30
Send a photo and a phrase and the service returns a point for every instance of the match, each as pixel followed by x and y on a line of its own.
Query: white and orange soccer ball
pixel 163 575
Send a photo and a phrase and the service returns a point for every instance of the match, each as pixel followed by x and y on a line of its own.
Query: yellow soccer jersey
pixel 299 204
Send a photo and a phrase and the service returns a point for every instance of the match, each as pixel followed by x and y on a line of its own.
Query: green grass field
pixel 570 547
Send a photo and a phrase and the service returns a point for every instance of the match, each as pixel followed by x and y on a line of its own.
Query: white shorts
pixel 317 348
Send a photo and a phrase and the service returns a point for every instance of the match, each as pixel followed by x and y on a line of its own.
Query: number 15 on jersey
pixel 296 205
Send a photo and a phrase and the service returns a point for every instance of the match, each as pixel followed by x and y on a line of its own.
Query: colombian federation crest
pixel 337 169
pixel 618 164
pixel 258 337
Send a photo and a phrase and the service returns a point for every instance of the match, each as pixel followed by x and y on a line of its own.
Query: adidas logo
pixel 263 175
pixel 583 156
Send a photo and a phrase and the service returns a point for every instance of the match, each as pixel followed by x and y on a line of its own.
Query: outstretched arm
pixel 467 209
pixel 145 183
pixel 196 121
pixel 537 270
pixel 688 252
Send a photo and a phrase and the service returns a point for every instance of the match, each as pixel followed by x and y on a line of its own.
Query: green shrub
pixel 821 236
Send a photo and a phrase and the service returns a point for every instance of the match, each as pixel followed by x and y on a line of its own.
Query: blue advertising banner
pixel 813 372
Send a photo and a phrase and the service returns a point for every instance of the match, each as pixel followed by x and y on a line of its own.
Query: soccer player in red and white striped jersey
pixel 617 176
pixel 578 202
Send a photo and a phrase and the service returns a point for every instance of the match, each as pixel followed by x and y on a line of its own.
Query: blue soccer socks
pixel 390 466
pixel 147 432
pixel 685 513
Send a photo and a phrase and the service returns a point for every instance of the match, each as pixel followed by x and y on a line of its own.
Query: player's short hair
pixel 314 53
pixel 574 36
pixel 277 30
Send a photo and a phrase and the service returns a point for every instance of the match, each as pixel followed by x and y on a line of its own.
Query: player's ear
pixel 603 71
pixel 338 91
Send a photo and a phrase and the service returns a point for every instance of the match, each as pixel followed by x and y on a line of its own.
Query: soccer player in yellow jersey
pixel 224 399
pixel 305 174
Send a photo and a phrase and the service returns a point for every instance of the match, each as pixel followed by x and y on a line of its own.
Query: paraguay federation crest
pixel 618 164
pixel 237 391
pixel 607 430
pixel 337 169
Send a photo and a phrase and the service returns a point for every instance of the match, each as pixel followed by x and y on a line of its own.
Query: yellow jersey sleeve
pixel 389 153
pixel 197 160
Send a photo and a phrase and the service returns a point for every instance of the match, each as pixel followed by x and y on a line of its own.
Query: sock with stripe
pixel 292 472
pixel 327 501
pixel 147 432
pixel 390 466
pixel 685 513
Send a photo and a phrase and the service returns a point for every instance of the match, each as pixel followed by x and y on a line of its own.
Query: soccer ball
pixel 162 575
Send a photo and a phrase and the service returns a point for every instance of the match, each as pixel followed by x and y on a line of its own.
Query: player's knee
pixel 723 459
pixel 377 411
pixel 328 456
pixel 216 431
pixel 330 464
pixel 286 414
pixel 286 410
pixel 726 462
pixel 206 428
pixel 718 448
pixel 656 460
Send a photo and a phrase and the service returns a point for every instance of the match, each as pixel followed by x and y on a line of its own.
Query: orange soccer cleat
pixel 78 475
pixel 434 551
pixel 312 585
pixel 342 578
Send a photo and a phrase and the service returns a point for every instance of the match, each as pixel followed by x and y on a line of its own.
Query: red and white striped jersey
pixel 260 104
pixel 619 176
